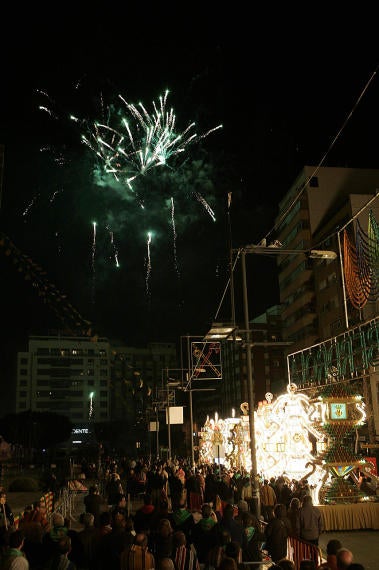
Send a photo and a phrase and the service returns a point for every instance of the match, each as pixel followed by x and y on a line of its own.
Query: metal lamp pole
pixel 250 387
pixel 189 384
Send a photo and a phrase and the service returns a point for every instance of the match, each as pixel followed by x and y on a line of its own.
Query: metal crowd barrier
pixel 299 550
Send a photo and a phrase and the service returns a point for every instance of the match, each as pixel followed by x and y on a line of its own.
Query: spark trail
pixel 148 265
pixel 115 251
pixel 174 235
pixel 93 262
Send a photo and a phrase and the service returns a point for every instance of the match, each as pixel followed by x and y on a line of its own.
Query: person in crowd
pixel 121 505
pixel 6 513
pixel 114 543
pixel 60 559
pixel 158 514
pixel 344 558
pixel 162 540
pixel 58 530
pixel 310 521
pixel 39 515
pixel 14 557
pixel 94 503
pixel 113 489
pixel 233 550
pixel 204 533
pixel 213 554
pixel 332 548
pixel 137 556
pixel 144 514
pixel 286 564
pixel 228 563
pixel 367 487
pixel 87 540
pixel 194 495
pixel 184 556
pixel 268 500
pixel 182 519
pixel 284 495
pixel 156 483
pixel 176 488
pixel 234 527
pixel 276 534
pixel 34 548
pixel 307 564
pixel 293 514
pixel 166 564
pixel 251 551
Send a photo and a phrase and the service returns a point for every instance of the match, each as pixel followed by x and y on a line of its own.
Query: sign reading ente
pixel 348 355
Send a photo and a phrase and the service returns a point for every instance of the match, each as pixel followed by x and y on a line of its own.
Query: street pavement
pixel 364 544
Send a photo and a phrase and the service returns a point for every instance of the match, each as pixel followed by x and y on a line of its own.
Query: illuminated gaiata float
pixel 290 438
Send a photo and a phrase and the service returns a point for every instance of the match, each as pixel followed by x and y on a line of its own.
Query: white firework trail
pixel 148 264
pixel 174 235
pixel 207 207
pixel 93 262
pixel 115 251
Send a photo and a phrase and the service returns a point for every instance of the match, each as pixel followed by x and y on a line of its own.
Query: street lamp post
pixel 225 333
pixel 250 388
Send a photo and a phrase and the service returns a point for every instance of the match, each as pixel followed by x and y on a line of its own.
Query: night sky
pixel 282 93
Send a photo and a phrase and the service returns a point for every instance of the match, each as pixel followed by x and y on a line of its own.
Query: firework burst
pixel 134 141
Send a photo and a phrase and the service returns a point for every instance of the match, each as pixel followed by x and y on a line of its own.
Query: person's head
pixel 16 539
pixel 166 564
pixel 88 520
pixel 179 538
pixel 93 490
pixel 280 511
pixel 233 549
pixel 64 545
pixel 206 510
pixel 105 518
pixel 344 558
pixel 57 519
pixel 333 546
pixel 295 503
pixel 307 500
pixel 140 539
pixel 307 564
pixel 228 511
pixel 121 499
pixel 3 497
pixel 248 519
pixel 228 563
pixel 286 564
pixel 164 528
pixel 243 507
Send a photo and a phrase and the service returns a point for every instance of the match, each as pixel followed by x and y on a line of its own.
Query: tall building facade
pixel 317 213
pixel 65 375
pixel 312 291
pixel 136 371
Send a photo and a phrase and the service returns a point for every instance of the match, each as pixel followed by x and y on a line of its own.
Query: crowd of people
pixel 187 519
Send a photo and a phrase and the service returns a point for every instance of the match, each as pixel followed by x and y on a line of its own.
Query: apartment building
pixel 66 375
pixel 310 215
